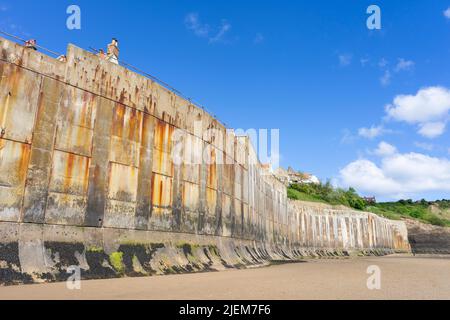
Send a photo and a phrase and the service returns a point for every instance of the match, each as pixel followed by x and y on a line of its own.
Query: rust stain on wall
pixel 76 119
pixel 14 159
pixel 19 93
pixel 126 135
pixel 70 174
pixel 162 158
pixel 161 193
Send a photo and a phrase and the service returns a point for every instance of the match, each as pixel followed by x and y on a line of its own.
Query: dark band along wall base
pixel 87 178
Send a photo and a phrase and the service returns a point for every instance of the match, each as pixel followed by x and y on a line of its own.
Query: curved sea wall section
pixel 325 227
pixel 89 178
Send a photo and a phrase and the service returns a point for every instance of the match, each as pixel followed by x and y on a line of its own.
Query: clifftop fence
pixel 87 178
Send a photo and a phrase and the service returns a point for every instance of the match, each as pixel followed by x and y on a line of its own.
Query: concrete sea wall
pixel 88 178
pixel 322 226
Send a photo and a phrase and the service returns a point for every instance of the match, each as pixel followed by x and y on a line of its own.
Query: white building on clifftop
pixel 290 176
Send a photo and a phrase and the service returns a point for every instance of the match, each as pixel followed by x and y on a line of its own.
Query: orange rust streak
pixel 68 171
pixel 13 79
pixel 132 125
pixel 86 175
pixel 159 135
pixel 169 137
pixel 83 111
pixel 23 161
pixel 118 120
pixel 156 191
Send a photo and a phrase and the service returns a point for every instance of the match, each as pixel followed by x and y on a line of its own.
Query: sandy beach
pixel 402 277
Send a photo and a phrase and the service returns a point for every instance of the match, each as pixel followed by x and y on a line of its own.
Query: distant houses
pixel 370 200
pixel 291 176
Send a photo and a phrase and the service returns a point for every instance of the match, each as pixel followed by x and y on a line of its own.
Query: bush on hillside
pixel 327 193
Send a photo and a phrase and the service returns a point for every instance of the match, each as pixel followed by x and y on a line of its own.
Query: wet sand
pixel 402 277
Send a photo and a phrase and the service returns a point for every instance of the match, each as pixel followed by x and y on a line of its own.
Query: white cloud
pixel 224 28
pixel 372 132
pixel 447 13
pixel 202 30
pixel 364 61
pixel 259 38
pixel 398 175
pixel 347 137
pixel 345 60
pixel 366 177
pixel 428 104
pixel 424 146
pixel 383 63
pixel 193 23
pixel 385 149
pixel 429 108
pixel 404 65
pixel 432 129
pixel 385 80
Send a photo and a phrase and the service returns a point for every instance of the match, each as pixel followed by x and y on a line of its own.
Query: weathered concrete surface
pixel 323 226
pixel 426 238
pixel 87 157
pixel 402 277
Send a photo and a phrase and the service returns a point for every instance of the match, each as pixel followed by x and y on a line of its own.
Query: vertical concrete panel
pixel 190 194
pixel 203 197
pixel 76 118
pixel 227 194
pixel 99 168
pixel 177 199
pixel 31 249
pixel 126 132
pixel 345 236
pixel 213 196
pixel 143 199
pixel 186 189
pixel 220 191
pixel 226 215
pixel 359 232
pixel 245 196
pixel 161 203
pixel 14 158
pixel 328 232
pixel 209 225
pixel 67 197
pixel 126 135
pixel 38 175
pixel 121 200
pixel 19 95
pixel 162 179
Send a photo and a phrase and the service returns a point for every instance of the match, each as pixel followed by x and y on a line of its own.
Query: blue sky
pixel 310 68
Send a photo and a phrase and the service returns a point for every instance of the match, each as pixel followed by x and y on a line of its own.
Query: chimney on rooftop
pixel 30 44
pixel 113 51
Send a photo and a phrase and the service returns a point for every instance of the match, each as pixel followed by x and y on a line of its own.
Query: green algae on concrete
pixel 116 259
